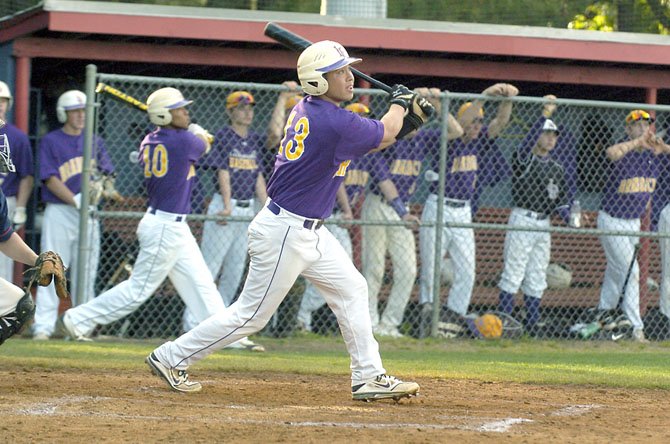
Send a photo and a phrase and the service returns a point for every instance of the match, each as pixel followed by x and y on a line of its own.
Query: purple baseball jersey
pixel 168 157
pixel 401 163
pixel 320 142
pixel 5 225
pixel 630 183
pixel 61 155
pixel 462 167
pixel 22 157
pixel 240 156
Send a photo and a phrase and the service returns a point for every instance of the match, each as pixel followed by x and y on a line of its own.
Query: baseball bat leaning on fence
pixel 592 328
pixel 297 43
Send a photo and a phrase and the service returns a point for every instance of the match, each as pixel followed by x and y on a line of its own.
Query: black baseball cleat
pixel 384 387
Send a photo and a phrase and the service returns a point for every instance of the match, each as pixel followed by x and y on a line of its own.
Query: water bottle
pixel 576 215
pixel 589 330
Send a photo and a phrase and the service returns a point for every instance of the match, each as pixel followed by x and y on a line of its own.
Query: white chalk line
pixel 495 425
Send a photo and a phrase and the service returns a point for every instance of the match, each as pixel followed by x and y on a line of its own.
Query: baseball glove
pixel 49 266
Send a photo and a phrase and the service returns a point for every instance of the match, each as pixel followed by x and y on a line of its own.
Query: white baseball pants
pixel 526 255
pixel 280 249
pixel 226 246
pixel 664 227
pixel 60 233
pixel 6 263
pixel 167 249
pixel 10 295
pixel 619 253
pixel 399 242
pixel 459 242
pixel 312 300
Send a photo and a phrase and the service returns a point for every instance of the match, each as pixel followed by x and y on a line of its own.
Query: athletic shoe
pixel 388 331
pixel 384 387
pixel 246 344
pixel 70 330
pixel 638 336
pixel 177 379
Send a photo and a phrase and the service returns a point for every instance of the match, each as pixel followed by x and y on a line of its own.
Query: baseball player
pixel 539 188
pixel 16 187
pixel 631 181
pixel 167 246
pixel 661 212
pixel 287 237
pixel 235 157
pixel 355 182
pixel 61 166
pixel 462 170
pixel 16 305
pixel 393 181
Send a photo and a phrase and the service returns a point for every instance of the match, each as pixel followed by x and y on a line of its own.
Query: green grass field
pixel 606 364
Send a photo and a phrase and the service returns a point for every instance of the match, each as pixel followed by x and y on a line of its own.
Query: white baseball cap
pixel 549 125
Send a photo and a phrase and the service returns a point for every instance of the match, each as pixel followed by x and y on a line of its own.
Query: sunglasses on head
pixel 638 114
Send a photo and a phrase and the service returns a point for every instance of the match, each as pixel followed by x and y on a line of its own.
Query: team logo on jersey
pixel 552 189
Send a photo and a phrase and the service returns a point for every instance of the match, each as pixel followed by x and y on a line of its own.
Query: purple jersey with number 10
pixel 168 157
pixel 320 141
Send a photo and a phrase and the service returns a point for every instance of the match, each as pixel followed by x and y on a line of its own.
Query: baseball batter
pixel 61 165
pixel 630 184
pixel 16 305
pixel 355 182
pixel 287 237
pixel 167 246
pixel 462 170
pixel 538 189
pixel 16 187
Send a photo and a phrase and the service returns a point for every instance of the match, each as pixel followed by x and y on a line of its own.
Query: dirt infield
pixel 39 405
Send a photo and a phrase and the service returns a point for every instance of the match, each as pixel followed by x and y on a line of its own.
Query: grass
pixel 608 364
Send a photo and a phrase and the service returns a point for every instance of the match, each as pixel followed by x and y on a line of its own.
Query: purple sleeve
pixel 104 162
pixel 566 154
pixel 196 146
pixel 362 135
pixel 24 157
pixel 214 158
pixel 523 152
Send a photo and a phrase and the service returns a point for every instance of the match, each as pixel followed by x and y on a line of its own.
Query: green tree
pixel 649 16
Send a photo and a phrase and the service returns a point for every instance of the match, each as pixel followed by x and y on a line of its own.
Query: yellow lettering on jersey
pixel 356 178
pixel 637 185
pixel 342 170
pixel 293 148
pixel 191 172
pixel 242 163
pixel 157 165
pixel 463 164
pixel 71 168
pixel 405 167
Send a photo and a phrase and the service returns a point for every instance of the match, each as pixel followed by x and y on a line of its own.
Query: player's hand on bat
pixel 224 213
pixel 401 95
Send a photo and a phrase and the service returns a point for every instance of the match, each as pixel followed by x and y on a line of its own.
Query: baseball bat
pixel 630 270
pixel 120 95
pixel 297 43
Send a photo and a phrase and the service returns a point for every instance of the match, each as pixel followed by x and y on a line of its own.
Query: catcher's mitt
pixel 49 266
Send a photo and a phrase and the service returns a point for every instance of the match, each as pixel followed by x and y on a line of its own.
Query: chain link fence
pixel 397 258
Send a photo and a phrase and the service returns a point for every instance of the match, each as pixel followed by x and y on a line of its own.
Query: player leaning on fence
pixel 539 188
pixel 633 169
pixel 287 237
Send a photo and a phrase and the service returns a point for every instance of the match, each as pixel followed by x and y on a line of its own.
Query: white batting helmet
pixel 68 101
pixel 161 101
pixel 5 93
pixel 318 59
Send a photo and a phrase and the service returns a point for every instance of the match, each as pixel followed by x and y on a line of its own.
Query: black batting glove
pixel 401 95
